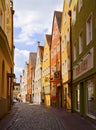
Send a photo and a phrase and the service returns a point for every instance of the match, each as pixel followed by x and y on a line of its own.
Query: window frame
pixel 74 50
pixel 80 42
pixel 80 3
pixel 89 29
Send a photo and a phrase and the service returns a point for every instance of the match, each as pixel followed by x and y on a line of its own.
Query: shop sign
pixel 84 65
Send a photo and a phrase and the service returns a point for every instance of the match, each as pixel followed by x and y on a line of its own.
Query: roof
pixel 58 15
pixel 32 57
pixel 48 38
pixel 41 48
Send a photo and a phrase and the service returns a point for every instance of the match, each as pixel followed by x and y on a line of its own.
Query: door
pixel 65 98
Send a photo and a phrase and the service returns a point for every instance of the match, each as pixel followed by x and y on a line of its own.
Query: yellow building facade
pixel 46 71
pixel 65 56
pixel 6 55
pixel 16 91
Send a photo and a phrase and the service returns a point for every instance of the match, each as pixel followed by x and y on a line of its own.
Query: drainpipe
pixel 71 71
pixel 51 80
pixel 61 69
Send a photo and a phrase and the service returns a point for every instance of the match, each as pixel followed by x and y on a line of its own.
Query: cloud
pixel 21 56
pixel 32 17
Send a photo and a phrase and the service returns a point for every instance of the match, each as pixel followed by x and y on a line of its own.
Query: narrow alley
pixel 26 116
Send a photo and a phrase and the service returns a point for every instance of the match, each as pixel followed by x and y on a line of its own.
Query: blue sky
pixel 32 20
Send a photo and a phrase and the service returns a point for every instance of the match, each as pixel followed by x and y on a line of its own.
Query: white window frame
pixel 54 51
pixel 74 15
pixel 80 3
pixel 89 29
pixel 75 47
pixel 80 43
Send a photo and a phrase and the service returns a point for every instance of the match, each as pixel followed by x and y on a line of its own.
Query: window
pixel 54 51
pixel 48 69
pixel 66 66
pixel 68 35
pixel 62 46
pixel 74 15
pixel 68 63
pixel 7 1
pixel 51 54
pixel 62 68
pixel 54 68
pixel 58 47
pixel 74 51
pixel 77 96
pixel 80 43
pixel 52 71
pixel 58 65
pixel 65 41
pixel 53 36
pixel 64 17
pixel 17 89
pixel 79 5
pixel 46 57
pixel 91 99
pixel 89 29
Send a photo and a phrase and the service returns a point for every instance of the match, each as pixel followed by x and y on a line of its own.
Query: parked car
pixel 14 100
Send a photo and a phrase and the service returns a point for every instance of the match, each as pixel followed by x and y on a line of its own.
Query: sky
pixel 32 20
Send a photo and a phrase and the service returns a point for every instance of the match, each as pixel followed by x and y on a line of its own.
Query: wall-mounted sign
pixel 85 64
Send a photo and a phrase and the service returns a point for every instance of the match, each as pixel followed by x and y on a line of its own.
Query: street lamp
pixel 71 71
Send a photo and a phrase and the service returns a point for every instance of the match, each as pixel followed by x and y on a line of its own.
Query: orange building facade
pixel 55 61
pixel 32 62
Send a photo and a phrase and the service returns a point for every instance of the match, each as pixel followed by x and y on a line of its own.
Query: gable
pixel 56 27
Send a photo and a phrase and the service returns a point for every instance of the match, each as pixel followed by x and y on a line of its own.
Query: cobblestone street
pixel 37 117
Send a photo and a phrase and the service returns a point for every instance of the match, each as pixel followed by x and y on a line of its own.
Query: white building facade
pixel 38 75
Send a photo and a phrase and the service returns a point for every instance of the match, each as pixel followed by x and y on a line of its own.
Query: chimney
pixel 38 43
